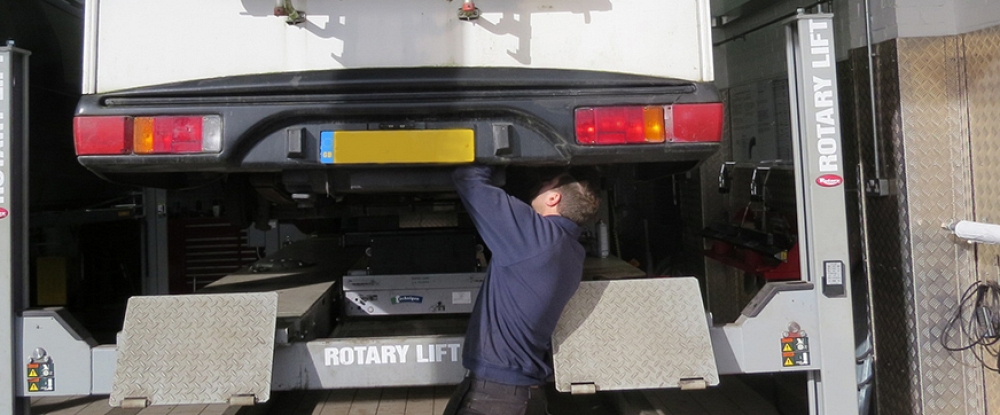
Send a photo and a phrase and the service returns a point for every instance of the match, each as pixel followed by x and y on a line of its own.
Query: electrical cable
pixel 977 322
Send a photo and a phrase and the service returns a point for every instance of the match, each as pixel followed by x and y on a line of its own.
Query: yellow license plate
pixel 404 146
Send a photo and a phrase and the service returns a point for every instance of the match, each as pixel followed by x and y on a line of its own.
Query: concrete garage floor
pixel 731 397
pixel 98 405
pixel 388 401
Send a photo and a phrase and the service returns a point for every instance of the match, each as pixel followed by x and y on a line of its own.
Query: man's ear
pixel 553 198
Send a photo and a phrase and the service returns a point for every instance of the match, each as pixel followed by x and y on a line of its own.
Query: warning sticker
pixel 41 385
pixel 41 375
pixel 794 351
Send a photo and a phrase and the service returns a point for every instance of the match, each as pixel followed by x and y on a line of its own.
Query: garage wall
pixel 932 140
pixel 981 58
pixel 939 136
pixel 752 57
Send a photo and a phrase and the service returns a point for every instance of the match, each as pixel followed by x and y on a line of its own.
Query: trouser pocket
pixel 477 403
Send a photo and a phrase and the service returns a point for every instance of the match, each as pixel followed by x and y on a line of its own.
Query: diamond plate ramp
pixel 634 334
pixel 195 349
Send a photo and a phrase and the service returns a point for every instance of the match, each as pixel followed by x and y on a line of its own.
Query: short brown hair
pixel 579 200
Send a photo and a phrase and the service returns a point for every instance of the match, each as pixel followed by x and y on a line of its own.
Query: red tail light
pixel 697 122
pixel 586 128
pixel 147 135
pixel 649 124
pixel 102 135
pixel 165 135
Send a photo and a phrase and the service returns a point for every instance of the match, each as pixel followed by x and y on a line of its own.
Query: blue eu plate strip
pixel 326 147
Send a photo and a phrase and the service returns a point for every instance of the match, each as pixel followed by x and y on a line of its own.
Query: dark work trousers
pixel 482 397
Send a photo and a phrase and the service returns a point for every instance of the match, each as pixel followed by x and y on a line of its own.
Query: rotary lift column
pixel 13 222
pixel 822 218
pixel 807 325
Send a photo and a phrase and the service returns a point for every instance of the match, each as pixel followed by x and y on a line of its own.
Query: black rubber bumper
pixel 520 116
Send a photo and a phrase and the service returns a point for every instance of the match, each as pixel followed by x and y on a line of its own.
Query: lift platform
pixel 391 346
pixel 268 328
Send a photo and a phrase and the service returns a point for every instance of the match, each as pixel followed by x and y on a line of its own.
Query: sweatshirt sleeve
pixel 510 227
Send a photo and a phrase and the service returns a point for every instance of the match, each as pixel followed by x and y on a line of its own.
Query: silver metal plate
pixel 933 103
pixel 413 282
pixel 634 334
pixel 411 294
pixel 982 52
pixel 935 99
pixel 196 349
pixel 403 302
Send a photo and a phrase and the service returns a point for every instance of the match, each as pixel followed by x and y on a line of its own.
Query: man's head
pixel 566 197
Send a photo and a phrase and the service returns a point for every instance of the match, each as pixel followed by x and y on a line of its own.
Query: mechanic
pixel 536 267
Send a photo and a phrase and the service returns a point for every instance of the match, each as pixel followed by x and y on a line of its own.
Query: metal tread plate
pixel 196 349
pixel 933 105
pixel 634 334
pixel 982 52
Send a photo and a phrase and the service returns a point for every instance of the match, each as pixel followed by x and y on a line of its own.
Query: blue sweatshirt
pixel 536 267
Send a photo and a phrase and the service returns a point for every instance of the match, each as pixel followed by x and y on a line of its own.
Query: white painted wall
pixel 918 18
pixel 890 19
pixel 925 18
pixel 883 20
pixel 972 15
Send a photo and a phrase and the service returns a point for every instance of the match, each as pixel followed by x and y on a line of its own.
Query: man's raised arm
pixel 505 223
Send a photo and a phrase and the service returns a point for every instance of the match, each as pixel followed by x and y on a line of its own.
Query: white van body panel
pixel 135 43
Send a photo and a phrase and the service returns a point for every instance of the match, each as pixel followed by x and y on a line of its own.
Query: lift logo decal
pixel 829 180
pixel 399 299
pixel 825 119
pixel 391 354
pixel 3 140
pixel 3 212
